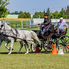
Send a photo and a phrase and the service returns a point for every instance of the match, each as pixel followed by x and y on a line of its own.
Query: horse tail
pixel 35 36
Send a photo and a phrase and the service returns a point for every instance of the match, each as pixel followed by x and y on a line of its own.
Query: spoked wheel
pixel 63 43
pixel 48 46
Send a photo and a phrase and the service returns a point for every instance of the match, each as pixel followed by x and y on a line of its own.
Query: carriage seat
pixel 51 27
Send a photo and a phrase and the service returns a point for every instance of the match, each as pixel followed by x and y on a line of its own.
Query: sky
pixel 37 5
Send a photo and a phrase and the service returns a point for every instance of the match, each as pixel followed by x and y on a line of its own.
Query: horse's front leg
pixel 12 41
pixel 6 44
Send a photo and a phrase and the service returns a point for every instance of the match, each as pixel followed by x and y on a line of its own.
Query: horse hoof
pixel 26 53
pixel 17 52
pixel 12 49
pixel 33 50
pixel 8 53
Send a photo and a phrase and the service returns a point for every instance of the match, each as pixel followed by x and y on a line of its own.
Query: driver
pixel 45 24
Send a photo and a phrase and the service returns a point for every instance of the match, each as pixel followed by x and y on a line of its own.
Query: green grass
pixel 31 60
pixel 32 28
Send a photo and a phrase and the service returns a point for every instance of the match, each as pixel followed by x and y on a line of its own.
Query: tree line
pixel 55 15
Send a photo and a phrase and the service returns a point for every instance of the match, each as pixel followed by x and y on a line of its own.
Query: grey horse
pixel 18 35
pixel 3 38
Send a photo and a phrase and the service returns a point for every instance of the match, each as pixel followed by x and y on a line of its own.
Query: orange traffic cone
pixel 68 47
pixel 54 51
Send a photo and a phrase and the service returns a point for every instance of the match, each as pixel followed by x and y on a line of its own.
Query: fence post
pixel 30 23
pixel 22 24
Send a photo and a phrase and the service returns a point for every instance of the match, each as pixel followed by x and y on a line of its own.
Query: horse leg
pixel 6 44
pixel 21 43
pixel 32 47
pixel 32 43
pixel 25 44
pixel 12 41
pixel 1 42
pixel 27 47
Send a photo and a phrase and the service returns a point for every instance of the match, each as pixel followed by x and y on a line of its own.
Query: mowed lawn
pixel 31 60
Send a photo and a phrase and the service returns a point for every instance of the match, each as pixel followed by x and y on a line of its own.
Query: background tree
pixel 28 15
pixel 44 11
pixel 48 11
pixel 54 15
pixel 67 12
pixel 36 15
pixel 20 12
pixel 51 16
pixel 24 15
pixel 3 9
pixel 41 14
pixel 62 13
pixel 16 12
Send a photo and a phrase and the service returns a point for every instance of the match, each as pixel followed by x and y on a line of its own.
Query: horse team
pixel 9 34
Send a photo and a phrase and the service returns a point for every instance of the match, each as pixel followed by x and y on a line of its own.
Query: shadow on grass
pixel 48 52
pixel 25 52
pixel 12 53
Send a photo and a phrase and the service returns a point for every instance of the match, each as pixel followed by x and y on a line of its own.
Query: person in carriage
pixel 45 24
pixel 61 26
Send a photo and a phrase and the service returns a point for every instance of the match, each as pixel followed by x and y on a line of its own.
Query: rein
pixel 10 36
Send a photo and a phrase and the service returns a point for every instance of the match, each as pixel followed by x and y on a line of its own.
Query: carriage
pixel 51 37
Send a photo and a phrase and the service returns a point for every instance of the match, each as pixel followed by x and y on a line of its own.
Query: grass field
pixel 31 60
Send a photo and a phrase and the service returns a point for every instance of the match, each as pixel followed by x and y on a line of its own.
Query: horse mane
pixel 7 24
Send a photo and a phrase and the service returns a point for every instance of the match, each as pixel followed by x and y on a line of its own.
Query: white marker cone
pixel 60 52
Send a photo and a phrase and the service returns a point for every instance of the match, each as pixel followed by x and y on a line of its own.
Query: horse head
pixel 4 26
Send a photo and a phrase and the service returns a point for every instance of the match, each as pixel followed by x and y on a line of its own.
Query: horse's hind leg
pixel 0 42
pixel 21 43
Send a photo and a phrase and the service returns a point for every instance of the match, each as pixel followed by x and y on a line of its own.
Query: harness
pixel 15 37
pixel 6 33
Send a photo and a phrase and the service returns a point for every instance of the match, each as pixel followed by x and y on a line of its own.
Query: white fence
pixel 33 23
pixel 38 21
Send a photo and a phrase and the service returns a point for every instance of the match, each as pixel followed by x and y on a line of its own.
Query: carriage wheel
pixel 48 46
pixel 63 43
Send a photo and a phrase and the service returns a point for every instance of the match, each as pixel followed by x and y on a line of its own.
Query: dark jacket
pixel 47 21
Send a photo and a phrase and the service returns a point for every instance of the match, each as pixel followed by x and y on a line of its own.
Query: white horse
pixel 3 38
pixel 18 35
